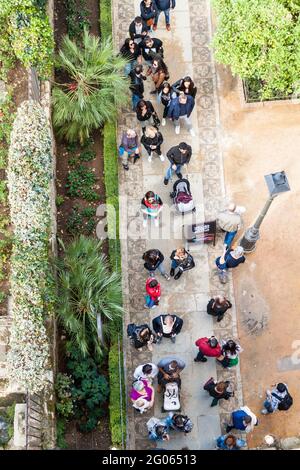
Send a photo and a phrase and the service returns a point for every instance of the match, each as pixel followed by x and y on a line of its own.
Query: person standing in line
pixel 218 390
pixel 159 73
pixel 138 29
pixel 153 293
pixel 167 326
pixel 137 85
pixel 165 99
pixel 182 260
pixel 153 261
pixel 178 156
pixel 151 47
pixel 181 108
pixel 217 306
pixel 230 354
pixel 230 221
pixel 145 113
pixel 146 372
pixel 208 347
pixel 230 258
pixel 152 140
pixel 151 205
pixel 242 419
pixel 230 442
pixel 148 12
pixel 129 147
pixel 164 6
pixel 278 399
pixel 186 85
pixel 131 52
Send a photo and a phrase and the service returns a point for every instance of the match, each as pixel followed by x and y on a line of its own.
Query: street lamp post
pixel 277 183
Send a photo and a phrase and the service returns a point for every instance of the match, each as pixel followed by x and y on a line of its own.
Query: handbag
pixel 156 121
pixel 150 22
pixel 210 381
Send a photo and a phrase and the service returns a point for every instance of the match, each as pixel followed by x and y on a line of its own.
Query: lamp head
pixel 277 183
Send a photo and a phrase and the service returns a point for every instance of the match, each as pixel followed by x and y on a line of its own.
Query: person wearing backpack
pixel 278 399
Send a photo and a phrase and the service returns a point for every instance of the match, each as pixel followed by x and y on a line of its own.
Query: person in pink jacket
pixel 153 292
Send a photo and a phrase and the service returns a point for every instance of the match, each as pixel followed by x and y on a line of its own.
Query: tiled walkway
pixel 187 52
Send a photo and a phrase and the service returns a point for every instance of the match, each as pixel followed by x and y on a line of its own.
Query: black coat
pixel 148 12
pixel 217 311
pixel 210 388
pixel 177 158
pixel 179 86
pixel 125 52
pixel 157 325
pixel 137 84
pixel 157 48
pixel 186 264
pixel 147 141
pixel 150 266
pixel 132 32
pixel 149 113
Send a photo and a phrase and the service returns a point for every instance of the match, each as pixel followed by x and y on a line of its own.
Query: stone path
pixel 187 52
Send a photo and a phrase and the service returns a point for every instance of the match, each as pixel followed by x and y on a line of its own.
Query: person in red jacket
pixel 207 347
pixel 153 292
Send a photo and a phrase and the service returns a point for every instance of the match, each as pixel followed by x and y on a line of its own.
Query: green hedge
pixel 112 199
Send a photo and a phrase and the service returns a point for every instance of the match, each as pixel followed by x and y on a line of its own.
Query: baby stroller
pixel 182 196
pixel 171 397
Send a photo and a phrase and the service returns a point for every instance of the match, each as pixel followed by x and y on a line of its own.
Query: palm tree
pixel 96 88
pixel 88 292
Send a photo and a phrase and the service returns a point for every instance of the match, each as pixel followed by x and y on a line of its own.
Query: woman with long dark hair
pixel 165 97
pixel 159 73
pixel 145 113
pixel 186 85
pixel 131 52
pixel 151 206
pixel 230 353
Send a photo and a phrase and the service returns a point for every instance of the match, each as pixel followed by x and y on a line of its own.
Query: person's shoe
pixel 166 277
pixel 145 223
pixel 146 306
pixel 156 223
pixel 192 132
pixel 173 339
pixel 204 359
pixel 228 428
pixel 163 122
pixel 153 92
pixel 150 158
pixel 166 181
pixel 154 306
pixel 177 130
pixel 154 27
pixel 178 275
pixel 172 272
pixel 135 158
pixel 196 360
pixel 180 176
pixel 126 167
pixel 162 158
pixel 264 411
pixel 158 339
pixel 168 27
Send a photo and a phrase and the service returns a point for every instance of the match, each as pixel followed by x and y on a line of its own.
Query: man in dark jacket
pixel 167 326
pixel 165 6
pixel 150 47
pixel 138 29
pixel 181 108
pixel 178 155
pixel 153 261
pixel 207 347
pixel 137 84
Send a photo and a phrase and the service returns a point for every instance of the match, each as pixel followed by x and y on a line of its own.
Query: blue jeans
pixel 170 171
pixel 128 67
pixel 229 238
pixel 167 16
pixel 135 99
pixel 268 406
pixel 161 269
pixel 149 302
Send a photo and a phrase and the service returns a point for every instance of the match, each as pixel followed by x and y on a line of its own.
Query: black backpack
pixel 285 403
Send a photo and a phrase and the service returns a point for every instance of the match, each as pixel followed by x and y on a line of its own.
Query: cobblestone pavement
pixel 187 52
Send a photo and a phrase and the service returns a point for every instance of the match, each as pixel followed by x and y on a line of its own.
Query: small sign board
pixel 204 232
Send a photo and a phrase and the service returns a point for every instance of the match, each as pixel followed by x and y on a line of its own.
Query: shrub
pixel 29 175
pixel 80 183
pixel 259 39
pixel 96 87
pixel 64 400
pixel 88 292
pixel 76 18
pixel 90 389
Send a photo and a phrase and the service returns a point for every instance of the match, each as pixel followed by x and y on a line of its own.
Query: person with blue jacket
pixel 165 6
pixel 181 107
pixel 242 419
pixel 230 442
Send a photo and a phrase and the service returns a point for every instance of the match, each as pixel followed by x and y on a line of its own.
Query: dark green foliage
pixel 80 183
pixel 64 399
pixel 76 17
pixel 90 389
pixel 7 424
pixel 87 155
pixel 105 19
pixel 82 221
pixel 60 433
